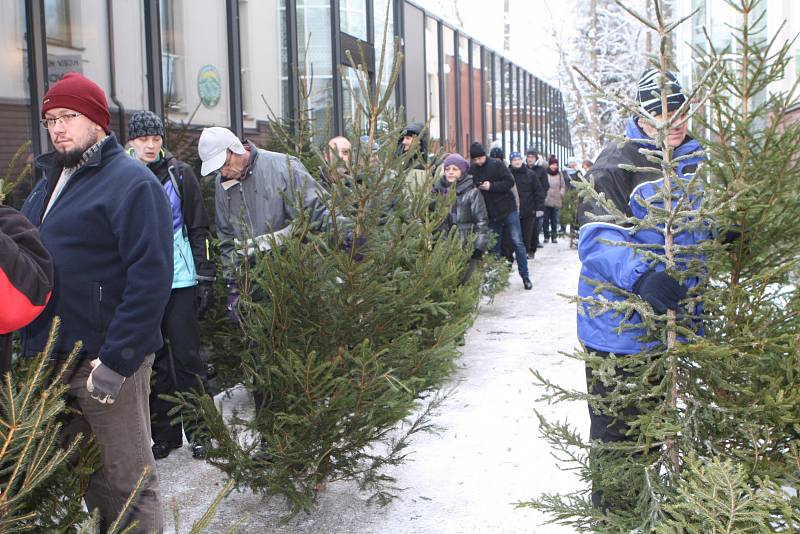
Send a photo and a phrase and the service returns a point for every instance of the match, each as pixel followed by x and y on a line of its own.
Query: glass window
pixel 385 26
pixel 351 94
pixel 432 74
pixel 262 33
pixel 130 70
pixel 497 88
pixel 448 44
pixel 488 99
pixel 353 18
pixel 518 106
pixel 465 106
pixel 77 40
pixel 511 110
pixel 15 101
pixel 415 78
pixel 524 111
pixel 194 62
pixel 57 21
pixel 314 31
pixel 477 100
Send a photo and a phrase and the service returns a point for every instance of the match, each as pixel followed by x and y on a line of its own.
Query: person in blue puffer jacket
pixel 620 265
pixel 178 364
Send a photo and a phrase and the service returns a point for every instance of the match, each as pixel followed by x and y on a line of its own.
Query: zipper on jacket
pixel 97 300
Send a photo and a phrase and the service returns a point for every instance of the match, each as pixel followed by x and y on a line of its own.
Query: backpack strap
pixel 178 186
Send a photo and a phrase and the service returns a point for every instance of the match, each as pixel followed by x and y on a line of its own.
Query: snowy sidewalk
pixel 489 455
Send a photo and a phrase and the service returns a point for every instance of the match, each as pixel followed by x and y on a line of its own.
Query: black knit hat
pixel 144 123
pixel 532 152
pixel 649 92
pixel 476 150
pixel 497 153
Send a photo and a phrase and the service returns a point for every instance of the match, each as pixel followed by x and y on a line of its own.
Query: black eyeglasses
pixel 66 118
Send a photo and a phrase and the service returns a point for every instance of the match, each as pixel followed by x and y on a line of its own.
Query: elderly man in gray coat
pixel 254 197
pixel 256 202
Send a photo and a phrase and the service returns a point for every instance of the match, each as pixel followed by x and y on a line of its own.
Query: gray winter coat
pixel 262 205
pixel 468 212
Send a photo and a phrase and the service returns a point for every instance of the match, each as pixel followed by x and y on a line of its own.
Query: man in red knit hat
pixel 106 222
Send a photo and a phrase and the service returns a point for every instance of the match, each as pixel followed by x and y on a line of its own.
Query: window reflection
pixel 384 26
pixel 194 62
pixel 449 88
pixel 15 102
pixel 262 33
pixel 432 72
pixel 314 48
pixel 353 18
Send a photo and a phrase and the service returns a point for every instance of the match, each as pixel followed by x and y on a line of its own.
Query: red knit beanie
pixel 78 93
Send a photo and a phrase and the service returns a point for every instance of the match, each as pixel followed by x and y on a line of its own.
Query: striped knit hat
pixel 649 92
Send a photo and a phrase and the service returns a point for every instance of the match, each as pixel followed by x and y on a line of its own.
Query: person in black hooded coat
pixel 531 195
pixel 494 181
pixel 407 137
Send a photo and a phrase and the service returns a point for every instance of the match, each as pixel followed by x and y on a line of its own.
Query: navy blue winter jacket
pixel 109 234
pixel 621 266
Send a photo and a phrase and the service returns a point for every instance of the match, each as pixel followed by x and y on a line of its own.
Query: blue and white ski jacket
pixel 621 266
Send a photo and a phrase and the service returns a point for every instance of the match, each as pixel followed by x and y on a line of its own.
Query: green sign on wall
pixel 209 85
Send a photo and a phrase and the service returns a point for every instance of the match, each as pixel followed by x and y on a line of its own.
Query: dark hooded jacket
pixel 500 200
pixel 529 189
pixel 544 183
pixel 418 160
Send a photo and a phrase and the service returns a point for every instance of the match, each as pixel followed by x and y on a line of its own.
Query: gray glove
pixel 540 214
pixel 104 383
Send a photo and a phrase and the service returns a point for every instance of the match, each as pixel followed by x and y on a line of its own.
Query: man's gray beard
pixel 71 158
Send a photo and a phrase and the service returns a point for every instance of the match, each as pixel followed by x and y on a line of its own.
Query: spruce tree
pixel 351 329
pixel 42 480
pixel 716 419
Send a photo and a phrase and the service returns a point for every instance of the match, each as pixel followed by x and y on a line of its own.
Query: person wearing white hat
pixel 254 193
pixel 255 197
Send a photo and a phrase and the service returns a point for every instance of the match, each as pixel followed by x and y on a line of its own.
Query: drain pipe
pixel 113 73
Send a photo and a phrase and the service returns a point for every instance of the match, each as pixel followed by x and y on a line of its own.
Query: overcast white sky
pixel 532 26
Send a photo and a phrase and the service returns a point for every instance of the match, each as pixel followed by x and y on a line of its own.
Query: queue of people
pixel 133 281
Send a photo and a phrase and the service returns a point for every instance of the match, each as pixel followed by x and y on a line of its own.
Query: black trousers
pixel 5 354
pixel 177 367
pixel 538 223
pixel 609 429
pixel 528 223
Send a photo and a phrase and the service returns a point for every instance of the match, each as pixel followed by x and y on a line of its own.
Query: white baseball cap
pixel 213 148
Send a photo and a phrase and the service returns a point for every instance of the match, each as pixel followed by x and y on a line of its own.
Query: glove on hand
pixel 204 298
pixel 731 236
pixel 233 302
pixel 660 290
pixel 540 214
pixel 104 383
pixel 354 245
pixel 477 254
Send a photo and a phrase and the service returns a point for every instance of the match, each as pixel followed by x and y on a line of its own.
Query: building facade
pixel 236 63
pixel 714 18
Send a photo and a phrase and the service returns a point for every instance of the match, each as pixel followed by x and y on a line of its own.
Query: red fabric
pixel 16 310
pixel 78 93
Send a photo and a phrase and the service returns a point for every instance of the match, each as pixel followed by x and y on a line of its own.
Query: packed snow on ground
pixel 466 479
